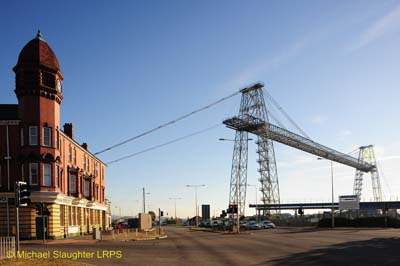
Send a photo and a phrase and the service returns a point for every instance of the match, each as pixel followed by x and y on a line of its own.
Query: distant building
pixel 205 212
pixel 62 174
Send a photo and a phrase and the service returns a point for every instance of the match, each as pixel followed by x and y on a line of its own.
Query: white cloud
pixel 345 132
pixel 319 119
pixel 388 24
pixel 253 72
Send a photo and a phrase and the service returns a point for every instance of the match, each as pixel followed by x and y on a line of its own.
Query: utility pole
pixel 159 221
pixel 144 202
pixel 175 206
pixel 195 195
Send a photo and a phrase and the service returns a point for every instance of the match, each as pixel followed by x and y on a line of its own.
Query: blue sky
pixel 132 65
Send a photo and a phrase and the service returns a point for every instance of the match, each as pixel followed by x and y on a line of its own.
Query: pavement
pixel 283 246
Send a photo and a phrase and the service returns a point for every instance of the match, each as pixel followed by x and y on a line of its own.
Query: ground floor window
pixel 91 216
pixel 84 222
pixel 79 216
pixel 62 215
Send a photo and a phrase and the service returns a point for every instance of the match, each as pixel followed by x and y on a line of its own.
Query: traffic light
pixel 301 211
pixel 233 208
pixel 22 194
pixel 161 213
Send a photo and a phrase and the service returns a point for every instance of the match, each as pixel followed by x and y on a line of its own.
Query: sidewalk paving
pixel 87 239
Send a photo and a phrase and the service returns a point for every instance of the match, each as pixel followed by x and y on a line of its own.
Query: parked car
pixel 215 223
pixel 243 225
pixel 268 225
pixel 254 226
pixel 122 226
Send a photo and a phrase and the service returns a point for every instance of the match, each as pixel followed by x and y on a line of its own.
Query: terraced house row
pixel 63 175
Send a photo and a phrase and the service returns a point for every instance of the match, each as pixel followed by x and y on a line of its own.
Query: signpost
pixel 349 202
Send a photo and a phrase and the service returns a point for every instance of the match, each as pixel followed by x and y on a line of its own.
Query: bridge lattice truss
pixel 253 118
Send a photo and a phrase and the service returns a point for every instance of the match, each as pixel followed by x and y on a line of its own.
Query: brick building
pixel 62 174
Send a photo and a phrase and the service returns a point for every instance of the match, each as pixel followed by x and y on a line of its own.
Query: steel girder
pixel 366 154
pixel 252 108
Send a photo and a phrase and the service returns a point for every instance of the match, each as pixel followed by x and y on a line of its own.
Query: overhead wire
pixel 164 144
pixel 168 123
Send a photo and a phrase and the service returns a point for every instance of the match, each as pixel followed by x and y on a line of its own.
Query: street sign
pixel 349 202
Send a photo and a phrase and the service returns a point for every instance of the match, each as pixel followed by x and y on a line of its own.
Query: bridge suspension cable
pixel 285 114
pixel 168 123
pixel 164 144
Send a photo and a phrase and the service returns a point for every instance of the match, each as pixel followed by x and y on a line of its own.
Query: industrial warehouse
pixel 67 182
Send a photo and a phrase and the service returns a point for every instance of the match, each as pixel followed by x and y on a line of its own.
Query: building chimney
pixel 69 130
pixel 85 146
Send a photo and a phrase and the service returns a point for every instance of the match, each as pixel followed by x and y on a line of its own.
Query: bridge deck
pixel 326 205
pixel 267 130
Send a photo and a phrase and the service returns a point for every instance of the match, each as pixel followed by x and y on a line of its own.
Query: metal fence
pixel 7 247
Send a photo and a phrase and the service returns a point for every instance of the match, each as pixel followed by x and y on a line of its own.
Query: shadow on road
pixel 376 251
pixel 299 231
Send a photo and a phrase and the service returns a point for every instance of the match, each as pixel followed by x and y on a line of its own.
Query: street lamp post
pixel 195 195
pixel 175 206
pixel 144 200
pixel 120 215
pixel 333 197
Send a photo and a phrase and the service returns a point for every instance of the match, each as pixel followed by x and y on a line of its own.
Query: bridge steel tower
pixel 366 154
pixel 253 109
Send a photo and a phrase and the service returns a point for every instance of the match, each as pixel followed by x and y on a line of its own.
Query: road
pixel 301 246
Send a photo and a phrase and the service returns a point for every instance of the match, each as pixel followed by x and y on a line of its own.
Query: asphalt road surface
pixel 289 246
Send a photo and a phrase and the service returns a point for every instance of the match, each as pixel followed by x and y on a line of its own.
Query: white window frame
pixel 47 176
pixel 47 138
pixel 33 138
pixel 30 173
pixel 86 189
pixel 72 185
